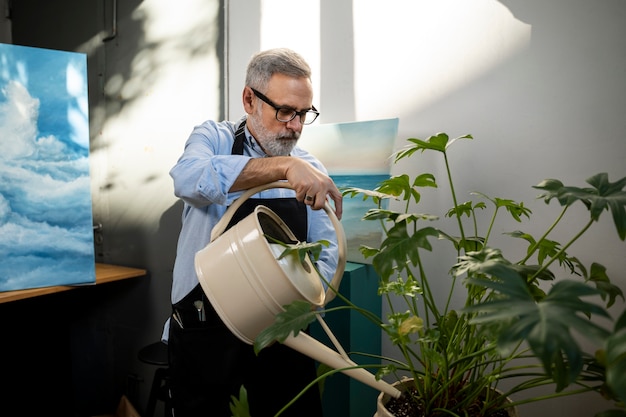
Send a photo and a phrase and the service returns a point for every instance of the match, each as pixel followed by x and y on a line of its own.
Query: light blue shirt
pixel 202 177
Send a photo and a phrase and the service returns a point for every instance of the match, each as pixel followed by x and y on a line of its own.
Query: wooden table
pixel 104 273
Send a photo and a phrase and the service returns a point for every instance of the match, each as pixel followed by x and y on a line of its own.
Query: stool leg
pixel 154 391
pixel 165 393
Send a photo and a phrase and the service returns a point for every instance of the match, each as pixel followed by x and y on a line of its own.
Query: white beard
pixel 274 144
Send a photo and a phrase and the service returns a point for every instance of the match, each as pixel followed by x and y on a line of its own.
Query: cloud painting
pixel 46 226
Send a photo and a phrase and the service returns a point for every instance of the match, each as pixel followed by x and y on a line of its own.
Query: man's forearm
pixel 259 171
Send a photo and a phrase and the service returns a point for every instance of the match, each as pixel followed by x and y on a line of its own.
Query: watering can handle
pixel 221 225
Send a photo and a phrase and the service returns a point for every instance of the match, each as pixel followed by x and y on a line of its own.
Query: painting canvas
pixel 46 225
pixel 356 154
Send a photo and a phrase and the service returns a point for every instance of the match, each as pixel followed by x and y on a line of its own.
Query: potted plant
pixel 522 311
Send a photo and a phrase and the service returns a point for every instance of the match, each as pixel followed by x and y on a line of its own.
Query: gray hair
pixel 275 61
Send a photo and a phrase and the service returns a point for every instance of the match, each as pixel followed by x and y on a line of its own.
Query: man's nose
pixel 295 124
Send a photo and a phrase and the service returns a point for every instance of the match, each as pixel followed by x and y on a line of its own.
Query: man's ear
pixel 249 100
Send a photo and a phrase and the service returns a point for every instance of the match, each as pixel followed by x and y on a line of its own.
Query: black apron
pixel 208 363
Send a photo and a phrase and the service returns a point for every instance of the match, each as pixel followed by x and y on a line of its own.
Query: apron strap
pixel 240 138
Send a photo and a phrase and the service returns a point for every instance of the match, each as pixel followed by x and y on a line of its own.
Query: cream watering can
pixel 247 286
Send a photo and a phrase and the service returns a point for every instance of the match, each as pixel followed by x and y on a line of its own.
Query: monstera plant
pixel 524 312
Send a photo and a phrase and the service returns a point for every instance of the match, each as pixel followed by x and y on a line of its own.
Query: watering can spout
pixel 307 345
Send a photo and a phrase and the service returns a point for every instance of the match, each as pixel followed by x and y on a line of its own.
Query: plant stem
pixel 453 192
pixel 545 235
pixel 563 249
pixel 491 223
pixel 427 294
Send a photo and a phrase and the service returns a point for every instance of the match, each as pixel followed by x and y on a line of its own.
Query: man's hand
pixel 311 185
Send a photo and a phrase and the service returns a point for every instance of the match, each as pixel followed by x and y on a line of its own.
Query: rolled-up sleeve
pixel 206 170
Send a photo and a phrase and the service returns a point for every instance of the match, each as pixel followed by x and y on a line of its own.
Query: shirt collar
pixel 252 145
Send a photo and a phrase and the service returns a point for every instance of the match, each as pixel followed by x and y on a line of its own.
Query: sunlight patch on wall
pixel 168 83
pixel 166 20
pixel 294 25
pixel 433 48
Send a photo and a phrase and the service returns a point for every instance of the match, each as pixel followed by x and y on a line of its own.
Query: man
pixel 208 364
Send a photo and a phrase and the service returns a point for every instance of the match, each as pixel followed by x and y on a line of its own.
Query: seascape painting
pixel 46 225
pixel 356 154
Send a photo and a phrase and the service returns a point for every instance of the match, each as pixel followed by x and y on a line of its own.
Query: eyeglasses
pixel 287 114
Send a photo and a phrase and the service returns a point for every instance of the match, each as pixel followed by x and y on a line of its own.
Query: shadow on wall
pixel 133 62
pixel 132 192
pixel 162 255
pixel 167 235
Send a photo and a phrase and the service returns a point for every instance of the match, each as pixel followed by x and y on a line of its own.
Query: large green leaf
pixel 399 247
pixel 398 186
pixel 608 290
pixel 516 210
pixel 463 209
pixel 491 262
pixel 439 142
pixel 616 359
pixel 548 325
pixel 384 214
pixel 297 316
pixel 239 407
pixel 604 195
pixel 425 180
pixel 546 248
pixel 376 196
pixel 610 196
pixel 301 250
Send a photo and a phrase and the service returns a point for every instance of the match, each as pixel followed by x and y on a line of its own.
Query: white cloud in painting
pixel 45 206
pixel 16 122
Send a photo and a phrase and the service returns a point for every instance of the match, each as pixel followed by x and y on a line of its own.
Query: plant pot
pixel 383 399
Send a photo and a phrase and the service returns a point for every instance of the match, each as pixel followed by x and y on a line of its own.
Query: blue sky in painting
pixel 46 229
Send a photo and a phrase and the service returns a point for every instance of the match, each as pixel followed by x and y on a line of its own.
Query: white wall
pixel 540 85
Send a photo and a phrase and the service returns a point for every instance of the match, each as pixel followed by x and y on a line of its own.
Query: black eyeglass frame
pixel 301 114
